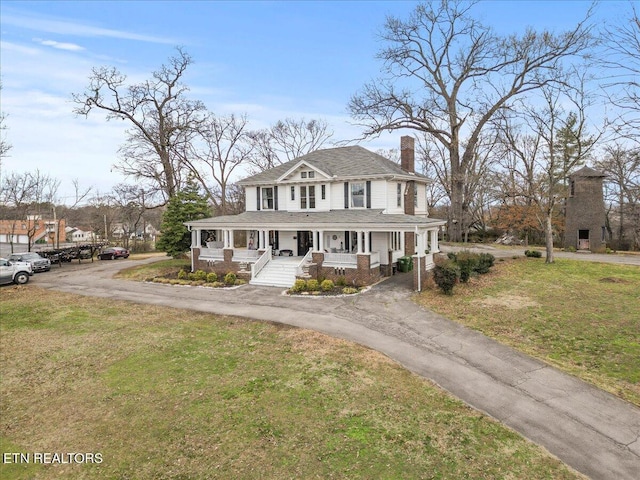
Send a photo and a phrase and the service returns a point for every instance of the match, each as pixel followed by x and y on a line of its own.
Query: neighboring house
pixel 80 235
pixel 341 213
pixel 585 214
pixel 33 230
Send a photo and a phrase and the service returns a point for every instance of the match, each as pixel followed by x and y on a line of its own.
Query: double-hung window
pixel 267 198
pixel 307 197
pixel 357 194
pixel 399 195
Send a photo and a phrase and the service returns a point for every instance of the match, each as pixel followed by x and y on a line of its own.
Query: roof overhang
pixel 340 220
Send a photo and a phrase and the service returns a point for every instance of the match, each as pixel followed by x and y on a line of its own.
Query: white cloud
pixel 68 28
pixel 59 45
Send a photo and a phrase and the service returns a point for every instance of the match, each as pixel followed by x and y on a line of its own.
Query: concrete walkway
pixel 590 430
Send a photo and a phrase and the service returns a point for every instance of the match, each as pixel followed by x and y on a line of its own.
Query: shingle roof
pixel 340 162
pixel 334 219
pixel 587 172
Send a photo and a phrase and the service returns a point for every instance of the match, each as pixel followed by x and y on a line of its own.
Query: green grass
pixel 583 317
pixel 155 269
pixel 163 393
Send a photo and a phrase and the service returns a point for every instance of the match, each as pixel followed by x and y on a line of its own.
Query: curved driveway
pixel 590 430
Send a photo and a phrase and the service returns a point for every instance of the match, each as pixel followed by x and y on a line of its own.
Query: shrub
pixel 467 262
pixel 451 256
pixel 200 275
pixel 349 290
pixel 212 277
pixel 485 262
pixel 191 276
pixel 241 282
pixel 446 275
pixel 230 278
pixel 299 286
pixel 533 253
pixel 571 249
pixel 313 285
pixel 327 285
pixel 341 282
pixel 182 275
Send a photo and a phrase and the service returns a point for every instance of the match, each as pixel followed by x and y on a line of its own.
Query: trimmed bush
pixel 467 262
pixel 533 253
pixel 200 275
pixel 341 282
pixel 485 262
pixel 327 285
pixel 212 277
pixel 446 275
pixel 299 286
pixel 349 290
pixel 313 285
pixel 230 278
pixel 183 275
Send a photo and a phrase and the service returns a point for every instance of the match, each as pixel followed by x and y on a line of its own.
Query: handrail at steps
pixel 305 259
pixel 261 262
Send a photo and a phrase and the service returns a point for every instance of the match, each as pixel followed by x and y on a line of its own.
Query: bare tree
pixel 447 75
pixel 538 162
pixel 622 60
pixel 29 195
pixel 5 146
pixel 223 147
pixel 287 139
pixel 622 167
pixel 161 119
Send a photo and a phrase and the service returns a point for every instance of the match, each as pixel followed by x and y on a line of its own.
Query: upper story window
pixel 357 195
pixel 267 198
pixel 293 193
pixel 308 174
pixel 399 195
pixel 323 191
pixel 307 197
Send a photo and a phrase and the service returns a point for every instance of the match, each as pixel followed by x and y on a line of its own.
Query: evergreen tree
pixel 186 205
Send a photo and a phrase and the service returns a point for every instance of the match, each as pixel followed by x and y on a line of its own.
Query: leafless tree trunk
pixel 160 117
pixel 223 147
pixel 447 75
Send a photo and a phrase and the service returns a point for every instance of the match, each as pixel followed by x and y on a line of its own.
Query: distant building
pixel 585 217
pixel 32 230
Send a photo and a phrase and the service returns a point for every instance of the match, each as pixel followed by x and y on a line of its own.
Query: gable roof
pixel 340 162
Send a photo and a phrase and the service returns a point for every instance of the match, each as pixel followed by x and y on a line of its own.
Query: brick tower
pixel 585 217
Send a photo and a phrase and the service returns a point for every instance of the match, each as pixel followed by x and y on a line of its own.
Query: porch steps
pixel 276 274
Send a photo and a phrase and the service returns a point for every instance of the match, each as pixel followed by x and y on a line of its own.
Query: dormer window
pixel 308 174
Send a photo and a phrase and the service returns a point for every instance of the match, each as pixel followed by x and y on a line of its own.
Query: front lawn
pixel 162 393
pixel 583 317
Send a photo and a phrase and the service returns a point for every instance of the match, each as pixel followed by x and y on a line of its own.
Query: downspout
pixel 192 261
pixel 418 267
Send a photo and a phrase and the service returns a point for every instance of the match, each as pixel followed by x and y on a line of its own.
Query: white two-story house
pixel 336 213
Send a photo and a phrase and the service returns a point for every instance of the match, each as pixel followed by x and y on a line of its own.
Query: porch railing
pixel 246 256
pixel 300 268
pixel 260 263
pixel 341 259
pixel 212 253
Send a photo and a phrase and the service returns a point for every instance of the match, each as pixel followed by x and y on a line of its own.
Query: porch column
pixel 321 240
pixel 401 241
pixel 231 239
pixel 367 244
pixel 263 239
pixel 434 241
pixel 195 234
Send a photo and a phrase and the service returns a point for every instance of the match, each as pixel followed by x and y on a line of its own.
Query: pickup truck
pixel 14 272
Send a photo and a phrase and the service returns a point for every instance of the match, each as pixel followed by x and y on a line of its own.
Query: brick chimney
pixel 407 154
pixel 408 164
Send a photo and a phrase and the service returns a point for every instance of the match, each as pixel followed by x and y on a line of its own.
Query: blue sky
pixel 268 60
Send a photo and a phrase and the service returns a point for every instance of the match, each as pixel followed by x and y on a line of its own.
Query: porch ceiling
pixel 348 219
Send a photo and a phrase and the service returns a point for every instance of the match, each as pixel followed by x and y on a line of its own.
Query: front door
pixel 583 239
pixel 304 242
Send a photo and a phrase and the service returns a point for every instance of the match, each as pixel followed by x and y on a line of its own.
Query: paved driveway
pixel 592 431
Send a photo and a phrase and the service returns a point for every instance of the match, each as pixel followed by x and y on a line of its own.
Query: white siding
pixel 379 194
pixel 250 199
pixel 421 208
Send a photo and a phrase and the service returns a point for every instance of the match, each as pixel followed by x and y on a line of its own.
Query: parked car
pixel 14 272
pixel 38 263
pixel 112 253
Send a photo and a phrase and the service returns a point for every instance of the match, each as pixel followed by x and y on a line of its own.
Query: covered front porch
pixel 355 247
